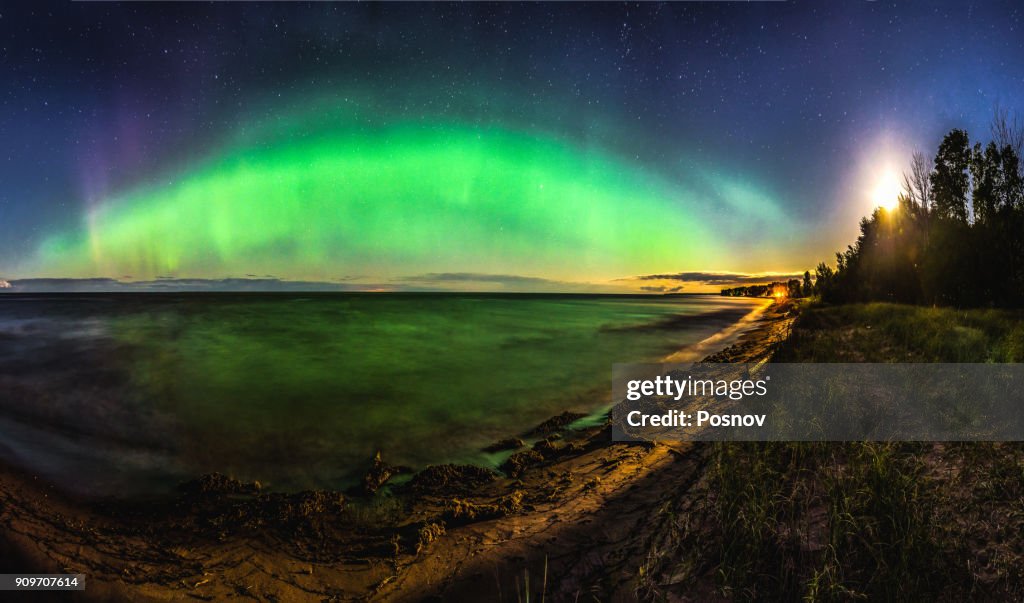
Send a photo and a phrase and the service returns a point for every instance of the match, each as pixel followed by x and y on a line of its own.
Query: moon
pixel 886 191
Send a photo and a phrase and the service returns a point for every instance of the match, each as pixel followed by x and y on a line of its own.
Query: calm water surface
pixel 115 395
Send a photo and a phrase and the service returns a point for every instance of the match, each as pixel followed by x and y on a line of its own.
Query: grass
pixel 861 520
pixel 881 332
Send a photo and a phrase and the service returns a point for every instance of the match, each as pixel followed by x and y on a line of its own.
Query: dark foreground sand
pixel 574 520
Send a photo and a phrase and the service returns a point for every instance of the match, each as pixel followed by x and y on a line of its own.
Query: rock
pixel 215 506
pixel 424 533
pixel 520 461
pixel 218 484
pixel 601 438
pixel 506 444
pixel 297 508
pixel 379 474
pixel 546 449
pixel 549 451
pixel 511 503
pixel 456 477
pixel 556 423
pixel 460 511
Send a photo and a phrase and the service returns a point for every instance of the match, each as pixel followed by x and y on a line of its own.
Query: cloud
pixel 717 278
pixel 660 289
pixel 476 277
pixel 476 281
pixel 62 284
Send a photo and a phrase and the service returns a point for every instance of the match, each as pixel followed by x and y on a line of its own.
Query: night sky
pixel 474 146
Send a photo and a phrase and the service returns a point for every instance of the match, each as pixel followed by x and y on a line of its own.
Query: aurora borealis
pixel 550 146
pixel 394 201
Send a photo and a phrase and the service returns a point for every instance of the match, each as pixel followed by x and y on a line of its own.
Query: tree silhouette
pixel 949 179
pixel 917 184
pixel 931 248
pixel 985 168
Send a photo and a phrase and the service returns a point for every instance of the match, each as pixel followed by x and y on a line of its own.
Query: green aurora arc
pixel 396 201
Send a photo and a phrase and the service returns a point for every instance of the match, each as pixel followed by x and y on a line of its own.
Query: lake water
pixel 117 395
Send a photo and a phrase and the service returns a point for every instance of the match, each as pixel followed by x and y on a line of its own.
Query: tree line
pixel 791 288
pixel 956 236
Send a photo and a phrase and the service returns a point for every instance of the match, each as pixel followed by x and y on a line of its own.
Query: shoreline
pixel 695 352
pixel 225 538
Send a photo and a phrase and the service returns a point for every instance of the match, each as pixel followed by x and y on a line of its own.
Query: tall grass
pixel 812 521
pixel 883 332
pixel 858 520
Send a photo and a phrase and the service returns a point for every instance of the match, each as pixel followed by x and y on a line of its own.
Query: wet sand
pixel 572 518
